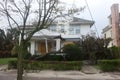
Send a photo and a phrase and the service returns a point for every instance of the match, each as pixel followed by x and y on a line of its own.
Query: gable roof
pixel 81 21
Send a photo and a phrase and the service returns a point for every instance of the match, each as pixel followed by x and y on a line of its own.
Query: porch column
pixel 58 44
pixel 32 47
pixel 46 45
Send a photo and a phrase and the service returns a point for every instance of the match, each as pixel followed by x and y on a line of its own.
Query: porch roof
pixel 44 33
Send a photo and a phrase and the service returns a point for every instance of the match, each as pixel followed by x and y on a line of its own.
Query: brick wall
pixel 115 24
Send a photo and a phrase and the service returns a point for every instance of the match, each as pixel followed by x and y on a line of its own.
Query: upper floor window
pixel 71 31
pixel 104 35
pixel 77 30
pixel 62 29
pixel 52 28
pixel 111 33
pixel 110 20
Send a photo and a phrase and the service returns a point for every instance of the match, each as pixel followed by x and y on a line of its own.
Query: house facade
pixel 112 30
pixel 57 35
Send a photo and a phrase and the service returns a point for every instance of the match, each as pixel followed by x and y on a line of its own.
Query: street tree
pixel 21 13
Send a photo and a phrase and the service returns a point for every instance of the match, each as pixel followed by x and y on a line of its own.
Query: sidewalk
pixel 75 75
pixel 58 75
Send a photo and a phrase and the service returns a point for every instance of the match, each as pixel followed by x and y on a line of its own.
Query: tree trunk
pixel 20 61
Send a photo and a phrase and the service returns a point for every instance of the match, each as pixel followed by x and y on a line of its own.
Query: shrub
pixel 54 56
pixel 12 64
pixel 73 52
pixel 109 65
pixel 51 56
pixel 51 65
pixel 115 52
pixel 27 56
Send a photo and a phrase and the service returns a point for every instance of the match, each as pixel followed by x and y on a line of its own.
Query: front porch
pixel 43 46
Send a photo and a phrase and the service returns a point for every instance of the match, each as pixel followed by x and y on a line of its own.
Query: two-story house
pixel 59 34
pixel 112 30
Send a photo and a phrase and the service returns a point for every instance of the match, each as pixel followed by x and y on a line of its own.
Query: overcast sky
pixel 100 10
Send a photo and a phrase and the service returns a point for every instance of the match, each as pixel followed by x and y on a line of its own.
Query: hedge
pixel 109 65
pixel 48 65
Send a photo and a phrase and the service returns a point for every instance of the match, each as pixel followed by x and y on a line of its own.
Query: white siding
pixel 85 29
pixel 108 34
pixel 71 29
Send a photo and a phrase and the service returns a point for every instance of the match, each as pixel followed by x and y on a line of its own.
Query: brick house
pixel 112 30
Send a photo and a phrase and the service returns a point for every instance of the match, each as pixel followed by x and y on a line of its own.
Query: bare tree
pixel 20 13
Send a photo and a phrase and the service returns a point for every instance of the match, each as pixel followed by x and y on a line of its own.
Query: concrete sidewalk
pixel 58 75
pixel 75 75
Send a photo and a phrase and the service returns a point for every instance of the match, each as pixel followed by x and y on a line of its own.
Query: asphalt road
pixel 13 77
pixel 9 77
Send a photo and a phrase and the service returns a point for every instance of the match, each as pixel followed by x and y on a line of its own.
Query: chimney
pixel 115 24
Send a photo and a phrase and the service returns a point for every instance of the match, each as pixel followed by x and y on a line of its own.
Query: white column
pixel 58 44
pixel 32 49
pixel 46 45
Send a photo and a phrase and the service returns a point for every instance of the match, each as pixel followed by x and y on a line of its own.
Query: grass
pixel 4 61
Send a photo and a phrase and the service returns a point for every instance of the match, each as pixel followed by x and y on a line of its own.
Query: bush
pixel 12 64
pixel 115 52
pixel 73 52
pixel 109 65
pixel 48 57
pixel 27 56
pixel 51 65
pixel 54 56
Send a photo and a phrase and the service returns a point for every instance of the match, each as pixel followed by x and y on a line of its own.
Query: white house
pixel 107 33
pixel 59 34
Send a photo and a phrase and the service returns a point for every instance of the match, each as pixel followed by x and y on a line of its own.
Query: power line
pixel 91 17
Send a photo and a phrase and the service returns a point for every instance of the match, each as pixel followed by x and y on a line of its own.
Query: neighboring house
pixel 59 34
pixel 107 33
pixel 113 28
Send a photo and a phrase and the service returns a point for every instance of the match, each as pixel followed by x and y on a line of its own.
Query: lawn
pixel 4 61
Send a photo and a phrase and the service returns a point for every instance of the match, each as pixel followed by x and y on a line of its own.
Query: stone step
pixel 88 69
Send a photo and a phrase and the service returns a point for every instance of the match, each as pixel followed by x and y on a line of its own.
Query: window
pixel 53 28
pixel 62 29
pixel 71 31
pixel 77 30
pixel 111 33
pixel 104 35
pixel 110 20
